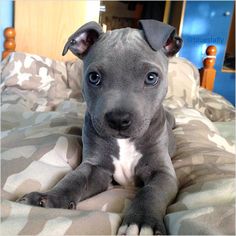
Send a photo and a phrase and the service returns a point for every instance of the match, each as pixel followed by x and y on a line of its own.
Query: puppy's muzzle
pixel 118 120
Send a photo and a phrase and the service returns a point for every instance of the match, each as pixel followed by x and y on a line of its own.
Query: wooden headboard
pixel 207 72
pixel 9 43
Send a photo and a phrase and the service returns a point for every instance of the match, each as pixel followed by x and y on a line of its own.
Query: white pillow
pixel 183 81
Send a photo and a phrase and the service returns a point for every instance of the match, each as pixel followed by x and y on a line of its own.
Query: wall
pixel 6 19
pixel 205 23
pixel 44 26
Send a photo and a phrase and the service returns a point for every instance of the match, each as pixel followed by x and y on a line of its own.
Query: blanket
pixel 41 119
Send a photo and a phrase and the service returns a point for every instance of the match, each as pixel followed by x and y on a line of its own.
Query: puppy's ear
pixel 160 35
pixel 80 42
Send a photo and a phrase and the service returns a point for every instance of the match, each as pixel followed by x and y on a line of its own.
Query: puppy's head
pixel 125 74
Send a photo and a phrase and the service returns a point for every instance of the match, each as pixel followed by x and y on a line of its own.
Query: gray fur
pixel 124 58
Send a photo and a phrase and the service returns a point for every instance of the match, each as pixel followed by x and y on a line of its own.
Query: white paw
pixel 133 229
pixel 145 230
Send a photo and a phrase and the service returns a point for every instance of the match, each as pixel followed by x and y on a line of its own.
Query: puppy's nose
pixel 118 120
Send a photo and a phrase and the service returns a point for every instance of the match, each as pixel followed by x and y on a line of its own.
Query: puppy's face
pixel 125 82
pixel 125 74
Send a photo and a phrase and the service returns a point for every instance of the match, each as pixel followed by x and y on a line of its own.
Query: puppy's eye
pixel 94 78
pixel 152 79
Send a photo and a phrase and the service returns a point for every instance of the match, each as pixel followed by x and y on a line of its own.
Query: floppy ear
pixel 160 35
pixel 80 42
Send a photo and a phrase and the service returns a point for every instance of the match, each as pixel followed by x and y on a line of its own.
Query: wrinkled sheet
pixel 41 142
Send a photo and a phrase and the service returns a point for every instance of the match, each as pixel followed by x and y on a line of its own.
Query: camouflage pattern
pixel 185 91
pixel 183 81
pixel 42 113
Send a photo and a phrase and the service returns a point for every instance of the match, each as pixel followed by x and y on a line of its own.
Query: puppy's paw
pixel 46 200
pixel 134 229
pixel 141 225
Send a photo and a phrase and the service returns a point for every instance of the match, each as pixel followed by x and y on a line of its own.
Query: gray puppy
pixel 127 133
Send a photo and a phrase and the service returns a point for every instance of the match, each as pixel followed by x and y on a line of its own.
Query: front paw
pixel 47 200
pixel 141 225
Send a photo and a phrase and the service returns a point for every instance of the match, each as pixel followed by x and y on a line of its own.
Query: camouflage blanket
pixel 41 115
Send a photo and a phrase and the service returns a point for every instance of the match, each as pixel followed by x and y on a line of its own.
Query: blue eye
pixel 152 78
pixel 94 78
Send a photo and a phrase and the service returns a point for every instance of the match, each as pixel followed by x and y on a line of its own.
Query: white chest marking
pixel 126 162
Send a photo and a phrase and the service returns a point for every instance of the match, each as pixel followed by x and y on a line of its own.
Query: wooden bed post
pixel 208 73
pixel 9 43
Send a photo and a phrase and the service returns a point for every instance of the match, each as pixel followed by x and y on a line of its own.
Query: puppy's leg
pixel 85 181
pixel 146 213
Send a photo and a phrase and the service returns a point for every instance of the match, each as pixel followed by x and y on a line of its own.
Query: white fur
pixel 126 162
pixel 133 229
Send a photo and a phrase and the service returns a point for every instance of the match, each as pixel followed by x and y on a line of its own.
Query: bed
pixel 41 115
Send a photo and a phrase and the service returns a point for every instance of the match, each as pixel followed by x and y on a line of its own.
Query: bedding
pixel 41 118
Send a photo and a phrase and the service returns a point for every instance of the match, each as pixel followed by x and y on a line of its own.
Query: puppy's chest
pixel 126 162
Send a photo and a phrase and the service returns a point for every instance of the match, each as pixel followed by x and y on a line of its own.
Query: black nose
pixel 118 120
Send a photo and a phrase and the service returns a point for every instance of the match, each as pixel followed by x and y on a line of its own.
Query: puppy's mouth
pixel 132 132
pixel 108 132
pixel 121 135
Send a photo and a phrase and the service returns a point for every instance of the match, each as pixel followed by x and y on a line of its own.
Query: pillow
pixel 32 72
pixel 40 77
pixel 215 107
pixel 183 81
